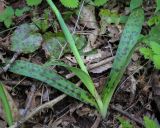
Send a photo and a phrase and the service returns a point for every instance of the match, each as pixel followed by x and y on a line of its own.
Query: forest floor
pixel 134 96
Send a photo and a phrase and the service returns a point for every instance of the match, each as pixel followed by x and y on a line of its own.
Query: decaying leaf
pixel 88 19
pixel 26 39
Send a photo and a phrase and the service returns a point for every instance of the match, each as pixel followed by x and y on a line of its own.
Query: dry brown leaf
pixel 2 5
pixel 88 19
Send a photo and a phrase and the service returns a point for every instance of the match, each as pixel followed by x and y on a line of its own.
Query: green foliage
pixel 53 79
pixel 125 123
pixel 125 50
pixel 149 123
pixel 152 52
pixel 152 42
pixel 135 4
pixel 75 3
pixel 33 2
pixel 158 5
pixel 20 12
pixel 110 17
pixel 5 104
pixel 42 24
pixel 99 2
pixel 154 34
pixel 70 3
pixel 147 52
pixel 6 16
pixel 26 39
pixel 154 20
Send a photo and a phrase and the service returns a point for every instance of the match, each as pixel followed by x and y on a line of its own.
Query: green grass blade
pixel 125 50
pixel 51 78
pixel 68 36
pixel 6 106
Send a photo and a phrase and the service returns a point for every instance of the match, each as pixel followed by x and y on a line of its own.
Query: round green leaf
pixel 25 39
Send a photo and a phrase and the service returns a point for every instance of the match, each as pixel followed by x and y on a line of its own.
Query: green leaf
pixel 20 12
pixel 135 4
pixel 70 3
pixel 33 2
pixel 6 16
pixel 5 104
pixel 51 78
pixel 156 61
pixel 99 2
pixel 25 39
pixel 43 25
pixel 108 17
pixel 155 47
pixel 85 78
pixel 125 123
pixel 147 53
pixel 8 22
pixel 154 34
pixel 158 5
pixel 124 52
pixel 149 123
pixel 154 20
pixel 53 45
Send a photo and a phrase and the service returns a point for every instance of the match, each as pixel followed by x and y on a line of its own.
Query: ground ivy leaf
pixel 20 12
pixel 6 16
pixel 25 39
pixel 147 52
pixel 156 61
pixel 155 47
pixel 154 34
pixel 33 2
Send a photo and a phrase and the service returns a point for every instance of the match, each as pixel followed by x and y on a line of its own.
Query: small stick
pixel 49 104
pixel 138 121
pixel 97 121
pixel 30 99
pixel 93 66
pixel 38 109
pixel 4 69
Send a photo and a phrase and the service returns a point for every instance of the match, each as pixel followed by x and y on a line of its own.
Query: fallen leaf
pixel 26 39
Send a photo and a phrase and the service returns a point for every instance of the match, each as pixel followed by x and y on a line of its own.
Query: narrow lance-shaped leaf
pixel 125 50
pixel 85 78
pixel 51 78
pixel 5 104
